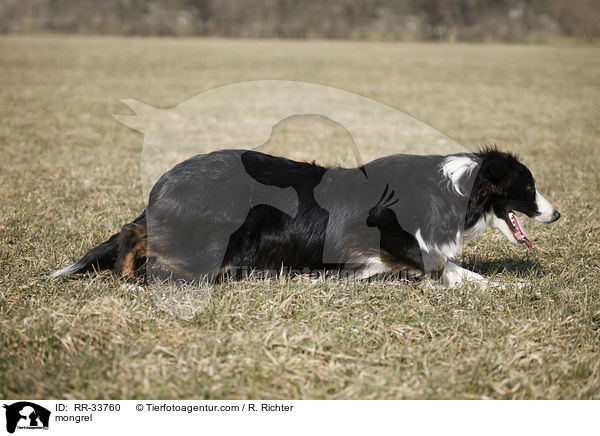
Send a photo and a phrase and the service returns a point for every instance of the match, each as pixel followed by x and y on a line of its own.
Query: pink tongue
pixel 521 234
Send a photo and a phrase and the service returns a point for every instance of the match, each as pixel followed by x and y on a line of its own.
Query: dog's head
pixel 507 186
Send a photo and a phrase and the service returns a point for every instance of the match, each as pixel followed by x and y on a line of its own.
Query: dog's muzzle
pixel 546 212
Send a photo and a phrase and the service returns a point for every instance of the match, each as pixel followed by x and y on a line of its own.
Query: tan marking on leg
pixel 397 266
pixel 127 264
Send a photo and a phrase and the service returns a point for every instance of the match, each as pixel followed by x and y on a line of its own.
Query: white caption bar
pixel 299 417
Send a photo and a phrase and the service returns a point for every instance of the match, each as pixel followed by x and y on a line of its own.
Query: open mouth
pixel 517 228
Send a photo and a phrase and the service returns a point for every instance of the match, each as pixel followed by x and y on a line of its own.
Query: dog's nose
pixel 555 215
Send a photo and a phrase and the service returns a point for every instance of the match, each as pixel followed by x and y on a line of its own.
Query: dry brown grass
pixel 70 177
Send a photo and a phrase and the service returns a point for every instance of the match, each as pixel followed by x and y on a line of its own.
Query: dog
pixel 217 214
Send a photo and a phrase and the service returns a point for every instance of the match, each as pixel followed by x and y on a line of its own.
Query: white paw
pixel 454 275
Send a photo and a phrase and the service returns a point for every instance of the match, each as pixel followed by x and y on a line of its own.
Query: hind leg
pixel 132 251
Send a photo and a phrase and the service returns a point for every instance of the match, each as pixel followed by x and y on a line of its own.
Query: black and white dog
pixel 234 210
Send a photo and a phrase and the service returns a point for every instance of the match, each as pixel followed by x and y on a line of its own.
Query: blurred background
pixel 407 20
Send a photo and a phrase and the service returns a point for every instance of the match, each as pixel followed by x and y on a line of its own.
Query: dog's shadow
pixel 519 267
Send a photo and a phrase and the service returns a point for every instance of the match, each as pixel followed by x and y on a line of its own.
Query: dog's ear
pixel 494 173
pixel 494 170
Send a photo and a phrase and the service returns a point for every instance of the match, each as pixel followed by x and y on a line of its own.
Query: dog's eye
pixel 529 187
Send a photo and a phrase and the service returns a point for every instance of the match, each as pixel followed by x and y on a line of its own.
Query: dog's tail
pixel 124 253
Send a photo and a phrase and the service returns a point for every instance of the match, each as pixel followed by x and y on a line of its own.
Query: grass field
pixel 69 178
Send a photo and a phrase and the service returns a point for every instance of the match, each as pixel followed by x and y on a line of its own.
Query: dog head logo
pixel 26 415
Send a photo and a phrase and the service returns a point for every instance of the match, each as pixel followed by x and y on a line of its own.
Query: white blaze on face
pixel 545 209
